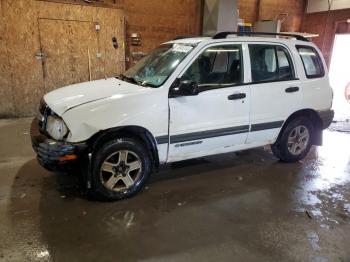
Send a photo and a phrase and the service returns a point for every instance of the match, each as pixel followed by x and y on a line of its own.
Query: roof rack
pixel 223 35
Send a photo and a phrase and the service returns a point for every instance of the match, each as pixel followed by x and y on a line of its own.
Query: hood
pixel 65 98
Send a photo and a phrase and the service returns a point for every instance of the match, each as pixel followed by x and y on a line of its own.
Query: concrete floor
pixel 237 207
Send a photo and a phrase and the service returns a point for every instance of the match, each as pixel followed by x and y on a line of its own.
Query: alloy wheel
pixel 121 170
pixel 298 140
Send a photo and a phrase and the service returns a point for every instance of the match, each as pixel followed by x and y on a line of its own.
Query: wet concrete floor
pixel 237 207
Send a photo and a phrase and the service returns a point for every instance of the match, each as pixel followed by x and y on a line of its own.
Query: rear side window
pixel 270 63
pixel 311 61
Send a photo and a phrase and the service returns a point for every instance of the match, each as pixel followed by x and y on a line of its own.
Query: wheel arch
pixel 136 132
pixel 316 122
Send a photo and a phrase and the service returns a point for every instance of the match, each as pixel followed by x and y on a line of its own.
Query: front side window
pixel 216 67
pixel 311 61
pixel 270 63
pixel 155 68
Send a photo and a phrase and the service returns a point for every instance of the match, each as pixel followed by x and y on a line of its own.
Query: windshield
pixel 155 68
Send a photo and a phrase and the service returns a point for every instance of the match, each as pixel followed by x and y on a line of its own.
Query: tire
pixel 120 168
pixel 295 141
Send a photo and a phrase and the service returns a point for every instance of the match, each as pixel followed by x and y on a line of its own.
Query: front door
pixel 217 119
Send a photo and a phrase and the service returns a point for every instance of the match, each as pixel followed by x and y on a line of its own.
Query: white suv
pixel 188 98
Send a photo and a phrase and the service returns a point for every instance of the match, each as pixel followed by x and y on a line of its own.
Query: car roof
pixel 234 38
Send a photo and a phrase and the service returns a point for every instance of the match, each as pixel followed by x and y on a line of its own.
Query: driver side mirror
pixel 184 88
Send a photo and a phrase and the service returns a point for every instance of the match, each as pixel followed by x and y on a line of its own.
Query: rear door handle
pixel 292 89
pixel 236 96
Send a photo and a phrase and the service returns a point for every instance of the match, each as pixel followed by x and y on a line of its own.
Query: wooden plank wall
pixel 99 3
pixel 21 81
pixel 6 92
pixel 21 74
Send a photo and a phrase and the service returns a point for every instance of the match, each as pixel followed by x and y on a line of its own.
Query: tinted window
pixel 218 66
pixel 311 61
pixel 270 63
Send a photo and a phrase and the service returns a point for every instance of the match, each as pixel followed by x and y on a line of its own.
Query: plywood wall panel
pixel 113 60
pixel 104 3
pixel 71 52
pixel 23 84
pixel 111 22
pixel 22 74
pixel 22 41
pixel 6 94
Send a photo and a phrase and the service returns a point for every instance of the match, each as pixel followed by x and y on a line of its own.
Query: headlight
pixel 56 128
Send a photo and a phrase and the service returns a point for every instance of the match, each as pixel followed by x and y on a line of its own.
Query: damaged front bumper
pixel 54 155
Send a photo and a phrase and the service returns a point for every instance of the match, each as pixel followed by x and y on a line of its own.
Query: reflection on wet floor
pixel 323 191
pixel 244 206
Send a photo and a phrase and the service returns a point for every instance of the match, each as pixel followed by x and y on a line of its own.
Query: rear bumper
pixel 326 117
pixel 54 155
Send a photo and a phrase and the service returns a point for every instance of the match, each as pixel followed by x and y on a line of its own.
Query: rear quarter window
pixel 312 61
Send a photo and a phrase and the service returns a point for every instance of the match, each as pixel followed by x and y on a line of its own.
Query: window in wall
pixel 311 61
pixel 270 63
pixel 216 67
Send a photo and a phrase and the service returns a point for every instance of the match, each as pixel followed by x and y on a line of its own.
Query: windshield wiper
pixel 149 85
pixel 129 79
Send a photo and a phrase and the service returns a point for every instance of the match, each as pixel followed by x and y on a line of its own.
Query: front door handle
pixel 236 96
pixel 292 89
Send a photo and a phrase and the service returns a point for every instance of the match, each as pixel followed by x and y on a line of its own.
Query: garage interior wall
pixel 254 10
pixel 325 29
pixel 47 44
pixel 67 36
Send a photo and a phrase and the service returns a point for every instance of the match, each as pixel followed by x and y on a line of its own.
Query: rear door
pixel 217 119
pixel 275 91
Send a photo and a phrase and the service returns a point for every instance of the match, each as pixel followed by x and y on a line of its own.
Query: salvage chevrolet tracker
pixel 188 98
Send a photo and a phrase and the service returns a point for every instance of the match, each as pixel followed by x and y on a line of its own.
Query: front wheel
pixel 295 141
pixel 120 169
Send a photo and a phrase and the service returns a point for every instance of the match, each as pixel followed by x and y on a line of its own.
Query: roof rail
pixel 223 35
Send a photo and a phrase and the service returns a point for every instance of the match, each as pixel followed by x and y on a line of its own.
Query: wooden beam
pixel 258 5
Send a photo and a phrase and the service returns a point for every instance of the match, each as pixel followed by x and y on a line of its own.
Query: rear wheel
pixel 120 169
pixel 295 141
